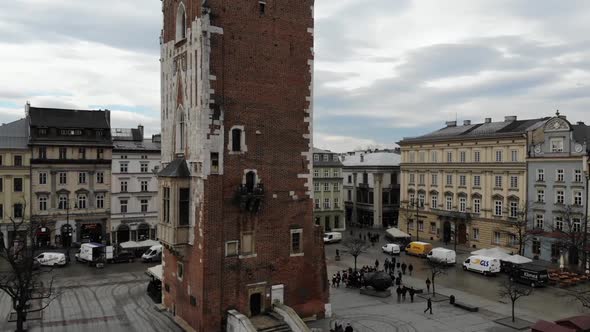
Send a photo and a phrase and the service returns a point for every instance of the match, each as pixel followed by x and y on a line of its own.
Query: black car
pixel 124 256
pixel 530 274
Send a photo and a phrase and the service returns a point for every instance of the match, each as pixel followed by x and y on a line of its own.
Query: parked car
pixel 123 256
pixel 391 248
pixel 482 264
pixel 418 248
pixel 530 274
pixel 51 259
pixel 153 254
pixel 332 237
pixel 442 255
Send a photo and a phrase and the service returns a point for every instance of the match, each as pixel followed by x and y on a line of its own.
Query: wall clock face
pixel 538 149
pixel 578 148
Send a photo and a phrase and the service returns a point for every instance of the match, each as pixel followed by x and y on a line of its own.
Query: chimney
pixel 581 123
pixel 451 123
pixel 466 122
pixel 362 158
pixel 488 120
pixel 510 118
pixel 27 106
pixel 156 138
pixel 140 128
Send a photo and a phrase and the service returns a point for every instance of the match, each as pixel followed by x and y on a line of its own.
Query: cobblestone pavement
pixel 99 300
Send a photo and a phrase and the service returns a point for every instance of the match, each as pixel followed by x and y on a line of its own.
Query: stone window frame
pixel 300 251
pixel 42 200
pixel 237 248
pixel 243 146
pixel 42 176
pixel 180 23
pixel 179 270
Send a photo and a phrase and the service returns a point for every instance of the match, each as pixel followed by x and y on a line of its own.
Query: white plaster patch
pixel 274 195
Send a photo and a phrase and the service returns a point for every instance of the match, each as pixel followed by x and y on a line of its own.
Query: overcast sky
pixel 385 69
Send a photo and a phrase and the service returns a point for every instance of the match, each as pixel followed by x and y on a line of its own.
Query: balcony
pixel 250 198
pixel 173 236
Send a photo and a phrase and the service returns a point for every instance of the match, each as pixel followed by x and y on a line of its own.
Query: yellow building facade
pixel 466 184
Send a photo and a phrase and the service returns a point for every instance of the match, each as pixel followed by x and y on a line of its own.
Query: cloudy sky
pixel 385 69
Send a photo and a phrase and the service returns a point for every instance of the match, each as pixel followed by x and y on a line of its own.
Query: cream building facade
pixel 328 210
pixel 466 184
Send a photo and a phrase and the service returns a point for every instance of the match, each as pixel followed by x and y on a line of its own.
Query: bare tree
pixel 355 247
pixel 569 232
pixel 435 269
pixel 510 289
pixel 23 281
pixel 521 229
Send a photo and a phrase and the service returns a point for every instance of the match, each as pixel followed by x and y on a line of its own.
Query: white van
pixel 332 237
pixel 391 248
pixel 442 255
pixel 153 254
pixel 51 259
pixel 482 264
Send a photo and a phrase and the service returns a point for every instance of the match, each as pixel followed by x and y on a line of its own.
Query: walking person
pixel 428 306
pixel 399 294
pixel 412 293
pixel 393 262
pixel 348 328
pixel 410 268
pixel 404 267
pixel 399 275
pixel 427 286
pixel 404 292
pixel 376 264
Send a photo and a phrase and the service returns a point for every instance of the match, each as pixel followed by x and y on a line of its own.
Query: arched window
pixel 181 130
pixel 250 181
pixel 180 23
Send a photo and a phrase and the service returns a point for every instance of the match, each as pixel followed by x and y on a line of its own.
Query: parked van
pixel 332 237
pixel 51 259
pixel 529 274
pixel 418 248
pixel 391 248
pixel 153 254
pixel 442 255
pixel 482 264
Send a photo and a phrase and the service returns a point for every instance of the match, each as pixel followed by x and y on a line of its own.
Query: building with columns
pixel 328 210
pixel 371 187
pixel 466 183
pixel 71 174
pixel 15 181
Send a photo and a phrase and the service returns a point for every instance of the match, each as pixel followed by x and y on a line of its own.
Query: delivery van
pixel 418 248
pixel 442 255
pixel 530 274
pixel 482 264
pixel 391 248
pixel 51 259
pixel 332 237
pixel 153 254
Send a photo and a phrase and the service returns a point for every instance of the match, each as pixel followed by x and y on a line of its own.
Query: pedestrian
pixel 398 265
pixel 404 292
pixel 393 263
pixel 412 293
pixel 428 306
pixel 399 294
pixel 376 264
pixel 334 281
pixel 360 236
pixel 399 275
pixel 427 286
pixel 348 328
pixel 410 268
pixel 386 265
pixel 404 267
pixel 398 281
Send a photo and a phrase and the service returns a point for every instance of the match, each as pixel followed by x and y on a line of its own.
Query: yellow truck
pixel 418 248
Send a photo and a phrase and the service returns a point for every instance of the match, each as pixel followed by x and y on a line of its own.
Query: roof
pixel 383 158
pixel 67 118
pixel 581 133
pixel 545 326
pixel 127 134
pixel 397 233
pixel 13 135
pixel 176 169
pixel 332 161
pixel 582 323
pixel 480 130
pixel 143 145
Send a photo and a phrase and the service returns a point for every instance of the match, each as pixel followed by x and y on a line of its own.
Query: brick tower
pixel 236 180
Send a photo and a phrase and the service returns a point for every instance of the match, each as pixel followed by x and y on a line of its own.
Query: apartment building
pixel 328 211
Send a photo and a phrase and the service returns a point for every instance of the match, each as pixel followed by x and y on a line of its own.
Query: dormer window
pixel 180 23
pixel 42 131
pixel 556 144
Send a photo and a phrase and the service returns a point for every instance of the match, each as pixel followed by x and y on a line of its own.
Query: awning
pixel 147 243
pixel 396 233
pixel 155 271
pixel 495 252
pixel 128 245
pixel 517 259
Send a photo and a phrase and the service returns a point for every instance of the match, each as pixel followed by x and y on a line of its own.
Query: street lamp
pixel 68 227
pixel 584 249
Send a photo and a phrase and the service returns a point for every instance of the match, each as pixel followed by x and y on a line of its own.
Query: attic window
pixel 261 7
pixel 42 131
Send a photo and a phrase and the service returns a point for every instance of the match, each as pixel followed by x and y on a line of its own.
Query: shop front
pixel 91 231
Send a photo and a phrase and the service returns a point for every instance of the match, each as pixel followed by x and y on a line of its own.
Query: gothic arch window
pixel 237 140
pixel 180 23
pixel 181 140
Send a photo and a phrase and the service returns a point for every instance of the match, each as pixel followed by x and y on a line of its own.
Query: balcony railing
pixel 250 198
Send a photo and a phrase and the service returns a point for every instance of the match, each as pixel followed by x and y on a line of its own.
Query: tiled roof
pixel 143 145
pixel 13 135
pixel 176 169
pixel 66 118
pixel 384 158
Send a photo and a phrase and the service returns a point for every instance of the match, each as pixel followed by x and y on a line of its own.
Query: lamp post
pixel 584 249
pixel 69 228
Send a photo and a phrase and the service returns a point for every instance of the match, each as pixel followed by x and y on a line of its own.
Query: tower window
pixel 236 135
pixel 214 162
pixel 262 7
pixel 180 23
pixel 183 206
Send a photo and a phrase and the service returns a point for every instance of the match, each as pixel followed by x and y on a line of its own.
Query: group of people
pixel 371 237
pixel 350 278
pixel 339 328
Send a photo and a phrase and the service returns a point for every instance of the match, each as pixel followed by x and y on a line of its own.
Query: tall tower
pixel 236 183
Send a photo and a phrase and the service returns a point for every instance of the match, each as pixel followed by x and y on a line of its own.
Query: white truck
pixel 442 255
pixel 482 264
pixel 93 253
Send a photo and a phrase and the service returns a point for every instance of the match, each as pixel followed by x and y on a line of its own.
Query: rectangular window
pixel 43 203
pixel 412 157
pixel 449 203
pixel 82 177
pixel 462 180
pixel 317 203
pixel 123 203
pixel 578 175
pixel 296 247
pixel 421 200
pixel 421 179
pixel 577 225
pixel 326 157
pixel 18 210
pixel 336 186
pixel 513 209
pixel 326 172
pixel 540 195
pixel 1 210
pixel 143 167
pixel 476 156
pixel 434 179
pixel 559 175
pixel 449 179
pixel 1 186
pixel 63 178
pixel 412 178
pixel 63 153
pixel 42 151
pixel 555 250
pixel 350 179
pixel 18 160
pixel 316 157
pixel 183 206
pixel 123 167
pixel 536 247
pixel 477 180
pixel 100 201
pixel 143 185
pixel 514 156
pixel 336 203
pixel 316 186
pixel 433 156
pixel 99 153
pixel 498 181
pixel 412 198
pixel 236 140
pixel 539 221
pixel 559 197
pixel 540 174
pixel 512 240
pixel 420 226
pixel 559 223
pixel 326 203
pixel 462 156
pixel 365 178
pixel 18 185
pixel 498 208
pixel 336 221
pixel 421 156
pixel 247 244
pixel 99 177
pixel 316 173
pixel 449 157
pixel 326 186
pixel 475 232
pixel 476 205
pixel 81 201
pixel 144 205
pixel 231 248
pixel 498 156
pixel 123 186
pixel 63 202
pixel 556 144
pixel 349 195
pixel 497 237
pixel 434 201
pixel 42 178
pixel 578 198
pixel 166 204
pixel 513 181
pixel 432 228
pixel 462 204
pixel 82 153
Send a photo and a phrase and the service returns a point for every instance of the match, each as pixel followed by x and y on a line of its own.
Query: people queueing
pixel 412 292
pixel 428 306
pixel 427 286
pixel 404 267
pixel 399 294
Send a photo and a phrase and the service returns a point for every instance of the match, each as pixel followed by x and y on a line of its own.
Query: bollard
pixel 452 299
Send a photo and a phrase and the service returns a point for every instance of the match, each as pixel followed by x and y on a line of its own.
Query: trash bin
pixel 452 299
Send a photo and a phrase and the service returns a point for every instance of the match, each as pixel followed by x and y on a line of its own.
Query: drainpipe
pixel 584 252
